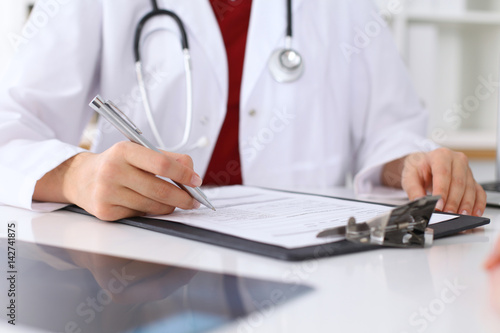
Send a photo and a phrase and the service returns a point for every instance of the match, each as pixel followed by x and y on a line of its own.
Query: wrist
pixel 56 185
pixel 392 173
pixel 70 176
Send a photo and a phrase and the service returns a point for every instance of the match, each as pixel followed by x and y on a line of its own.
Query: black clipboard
pixel 441 230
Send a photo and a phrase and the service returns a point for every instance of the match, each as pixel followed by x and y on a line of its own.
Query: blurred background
pixel 451 49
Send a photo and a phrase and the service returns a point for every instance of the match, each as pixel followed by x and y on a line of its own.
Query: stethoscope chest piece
pixel 286 65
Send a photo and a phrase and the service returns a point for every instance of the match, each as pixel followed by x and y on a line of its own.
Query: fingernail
pixel 479 212
pixel 196 205
pixel 464 212
pixel 440 205
pixel 196 180
pixel 450 212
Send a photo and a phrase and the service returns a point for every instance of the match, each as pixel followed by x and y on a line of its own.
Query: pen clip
pixel 123 116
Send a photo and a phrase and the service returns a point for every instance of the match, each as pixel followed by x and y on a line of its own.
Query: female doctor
pixel 341 113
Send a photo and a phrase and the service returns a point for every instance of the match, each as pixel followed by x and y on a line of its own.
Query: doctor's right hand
pixel 121 182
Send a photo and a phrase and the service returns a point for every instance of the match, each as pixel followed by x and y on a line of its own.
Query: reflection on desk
pixel 62 290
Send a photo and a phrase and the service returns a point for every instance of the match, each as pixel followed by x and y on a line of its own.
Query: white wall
pixel 451 48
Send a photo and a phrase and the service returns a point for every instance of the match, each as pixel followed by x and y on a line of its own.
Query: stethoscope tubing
pixel 279 70
pixel 188 73
pixel 146 18
pixel 289 18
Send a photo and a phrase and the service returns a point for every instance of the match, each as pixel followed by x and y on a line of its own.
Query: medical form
pixel 285 219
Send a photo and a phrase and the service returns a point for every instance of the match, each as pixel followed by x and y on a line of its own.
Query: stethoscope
pixel 285 65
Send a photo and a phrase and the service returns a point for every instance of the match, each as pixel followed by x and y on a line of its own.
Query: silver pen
pixel 117 118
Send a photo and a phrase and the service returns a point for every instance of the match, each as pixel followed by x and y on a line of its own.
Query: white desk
pixel 377 291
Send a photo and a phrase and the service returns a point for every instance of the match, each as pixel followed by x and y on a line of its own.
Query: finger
pixel 112 202
pixel 459 178
pixel 480 204
pixel 469 196
pixel 415 176
pixel 137 202
pixel 441 167
pixel 184 159
pixel 108 212
pixel 494 259
pixel 159 164
pixel 158 190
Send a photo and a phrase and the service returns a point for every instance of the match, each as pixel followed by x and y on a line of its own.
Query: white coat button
pixel 252 113
pixel 204 120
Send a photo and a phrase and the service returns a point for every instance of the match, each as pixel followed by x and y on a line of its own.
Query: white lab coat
pixel 341 117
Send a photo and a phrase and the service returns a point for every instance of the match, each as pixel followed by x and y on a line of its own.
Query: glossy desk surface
pixel 440 289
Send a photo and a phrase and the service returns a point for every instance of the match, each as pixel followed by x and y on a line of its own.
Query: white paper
pixel 290 220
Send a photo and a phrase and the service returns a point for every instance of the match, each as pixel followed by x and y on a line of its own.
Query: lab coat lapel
pixel 266 33
pixel 202 28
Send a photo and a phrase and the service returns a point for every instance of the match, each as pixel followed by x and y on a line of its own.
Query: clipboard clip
pixel 405 226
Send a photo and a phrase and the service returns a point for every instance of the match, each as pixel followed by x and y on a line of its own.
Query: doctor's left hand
pixel 441 172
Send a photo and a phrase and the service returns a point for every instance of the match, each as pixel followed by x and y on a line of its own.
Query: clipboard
pixel 441 230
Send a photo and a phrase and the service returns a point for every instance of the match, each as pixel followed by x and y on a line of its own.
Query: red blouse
pixel 233 17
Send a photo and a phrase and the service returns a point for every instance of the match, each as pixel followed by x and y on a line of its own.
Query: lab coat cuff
pixel 368 179
pixel 28 187
pixel 45 207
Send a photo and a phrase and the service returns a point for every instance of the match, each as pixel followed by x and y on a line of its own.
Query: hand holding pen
pixel 144 172
pixel 120 182
pixel 126 180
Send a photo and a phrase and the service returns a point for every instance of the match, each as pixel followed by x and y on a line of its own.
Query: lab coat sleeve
pixel 389 121
pixel 44 94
